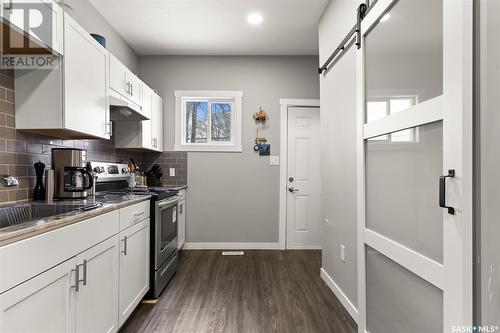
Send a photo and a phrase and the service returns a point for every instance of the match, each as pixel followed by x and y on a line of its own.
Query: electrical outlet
pixel 342 253
pixel 172 172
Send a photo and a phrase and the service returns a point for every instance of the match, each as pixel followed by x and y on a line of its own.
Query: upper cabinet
pixel 43 29
pixel 157 122
pixel 146 134
pixel 71 100
pixel 124 82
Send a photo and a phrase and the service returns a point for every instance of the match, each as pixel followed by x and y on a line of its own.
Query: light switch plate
pixel 274 160
pixel 172 172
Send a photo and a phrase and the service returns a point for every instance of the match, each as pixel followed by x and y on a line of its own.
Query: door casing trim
pixel 285 105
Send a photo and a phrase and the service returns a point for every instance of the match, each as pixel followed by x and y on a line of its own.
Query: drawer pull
pixel 138 214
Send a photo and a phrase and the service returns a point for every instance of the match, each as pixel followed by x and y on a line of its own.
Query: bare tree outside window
pixel 196 122
pixel 221 121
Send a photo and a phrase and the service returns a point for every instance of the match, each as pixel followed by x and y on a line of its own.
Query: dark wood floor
pixel 262 291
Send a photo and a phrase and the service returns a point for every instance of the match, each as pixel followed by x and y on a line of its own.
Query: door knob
pixel 292 190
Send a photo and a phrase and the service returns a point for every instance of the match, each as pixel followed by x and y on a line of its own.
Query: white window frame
pixel 232 97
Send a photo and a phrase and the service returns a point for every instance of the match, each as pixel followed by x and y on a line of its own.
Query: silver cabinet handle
pixel 124 245
pixel 152 142
pixel 84 272
pixel 138 214
pixel 77 278
pixel 107 128
pixel 180 208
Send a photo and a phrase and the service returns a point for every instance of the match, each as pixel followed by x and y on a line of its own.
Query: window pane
pixel 397 300
pixel 403 136
pixel 376 110
pixel 402 192
pixel 400 104
pixel 404 55
pixel 196 122
pixel 221 121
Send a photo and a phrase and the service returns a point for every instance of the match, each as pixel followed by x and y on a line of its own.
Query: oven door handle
pixel 167 203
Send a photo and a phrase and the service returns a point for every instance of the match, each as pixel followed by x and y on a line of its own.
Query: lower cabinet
pixel 46 303
pixel 93 291
pixel 96 299
pixel 134 268
pixel 181 220
pixel 79 295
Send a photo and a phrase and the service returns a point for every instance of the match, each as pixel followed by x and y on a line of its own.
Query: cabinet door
pixel 118 77
pixel 157 117
pixel 97 298
pixel 136 88
pixel 134 267
pixel 147 106
pixel 182 224
pixel 42 304
pixel 14 12
pixel 86 75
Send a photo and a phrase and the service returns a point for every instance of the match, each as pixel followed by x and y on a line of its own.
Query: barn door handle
pixel 442 191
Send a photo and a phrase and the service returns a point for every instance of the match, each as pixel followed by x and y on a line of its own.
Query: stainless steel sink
pixel 31 211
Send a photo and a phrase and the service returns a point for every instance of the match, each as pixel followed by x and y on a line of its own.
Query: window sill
pixel 209 148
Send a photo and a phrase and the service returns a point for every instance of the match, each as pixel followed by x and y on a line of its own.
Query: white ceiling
pixel 215 27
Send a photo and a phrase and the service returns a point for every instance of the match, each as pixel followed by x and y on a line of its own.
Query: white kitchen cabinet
pixel 43 304
pixel 146 134
pixel 124 82
pixel 85 277
pixel 14 12
pixel 96 301
pixel 71 100
pixel 134 268
pixel 157 122
pixel 181 219
pixel 86 78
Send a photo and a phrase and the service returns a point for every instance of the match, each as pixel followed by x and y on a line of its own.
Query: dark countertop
pixel 32 228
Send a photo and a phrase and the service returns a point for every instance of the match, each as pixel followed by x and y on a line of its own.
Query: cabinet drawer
pixel 133 214
pixel 34 255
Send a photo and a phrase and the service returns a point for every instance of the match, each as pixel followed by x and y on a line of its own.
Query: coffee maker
pixel 71 179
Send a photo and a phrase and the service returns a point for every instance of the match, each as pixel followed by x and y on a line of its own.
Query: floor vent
pixel 233 253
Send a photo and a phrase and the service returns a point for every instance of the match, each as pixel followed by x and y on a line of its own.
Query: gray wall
pixel 338 121
pixel 488 180
pixel 89 18
pixel 233 197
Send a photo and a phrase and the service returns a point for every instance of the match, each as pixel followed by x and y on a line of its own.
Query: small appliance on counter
pixel 71 179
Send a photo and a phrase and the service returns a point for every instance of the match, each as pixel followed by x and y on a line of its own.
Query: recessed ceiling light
pixel 385 17
pixel 255 19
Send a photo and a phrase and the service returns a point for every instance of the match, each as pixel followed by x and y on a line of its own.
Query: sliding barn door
pixel 415 161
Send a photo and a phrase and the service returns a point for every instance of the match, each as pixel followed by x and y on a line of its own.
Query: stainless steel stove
pixel 113 181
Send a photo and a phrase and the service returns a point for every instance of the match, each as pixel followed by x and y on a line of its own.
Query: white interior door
pixel 414 125
pixel 303 179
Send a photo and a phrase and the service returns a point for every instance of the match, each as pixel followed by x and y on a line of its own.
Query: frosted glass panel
pixel 402 188
pixel 404 57
pixel 398 300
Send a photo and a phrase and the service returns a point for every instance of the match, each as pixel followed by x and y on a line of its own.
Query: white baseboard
pixel 304 247
pixel 232 246
pixel 340 295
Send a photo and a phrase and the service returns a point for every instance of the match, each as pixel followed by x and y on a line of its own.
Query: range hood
pixel 122 109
